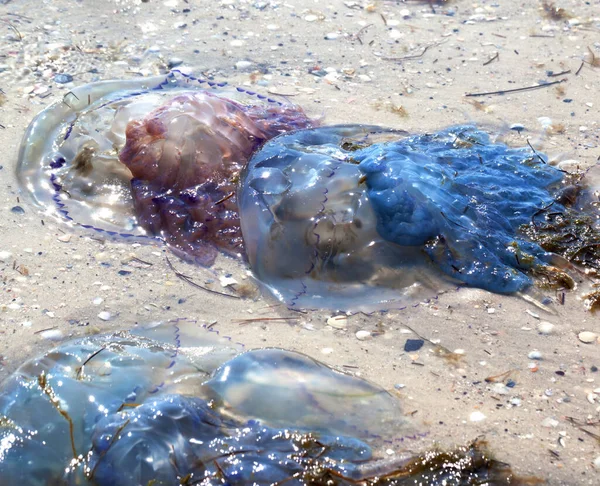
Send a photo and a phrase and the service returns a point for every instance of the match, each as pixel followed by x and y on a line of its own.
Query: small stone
pixel 243 64
pixel 227 280
pixel 546 328
pixel 311 18
pixel 517 127
pixel 491 310
pixel 597 463
pixel 338 322
pixel 63 78
pixel 98 301
pixel 363 335
pixel 477 417
pixel 105 316
pixel 17 210
pixel 64 238
pixel 332 36
pixel 413 345
pixel 5 255
pixel 587 337
pixel 500 389
pixel 549 423
pixel 52 334
pixel 535 355
pixel 174 62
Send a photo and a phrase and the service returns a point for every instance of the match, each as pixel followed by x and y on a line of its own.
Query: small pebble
pixel 5 255
pixel 105 316
pixel 587 337
pixel 174 62
pixel 549 423
pixel 17 210
pixel 413 345
pixel 52 334
pixel 363 335
pixel 227 280
pixel 63 78
pixel 98 301
pixel 243 64
pixel 500 389
pixel 546 328
pixel 535 355
pixel 477 417
pixel 64 238
pixel 597 463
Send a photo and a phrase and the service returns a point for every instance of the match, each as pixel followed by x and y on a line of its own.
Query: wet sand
pixel 406 65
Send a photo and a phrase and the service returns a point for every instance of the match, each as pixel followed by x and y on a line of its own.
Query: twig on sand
pixel 517 90
pixel 260 319
pixel 414 56
pixel 187 279
pixel 489 61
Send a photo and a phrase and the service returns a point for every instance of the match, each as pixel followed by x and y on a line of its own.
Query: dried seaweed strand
pixel 88 359
pixel 492 59
pixel 47 389
pixel 517 90
pixel 187 279
pixel 260 319
pixel 535 152
pixel 113 440
pixel 13 28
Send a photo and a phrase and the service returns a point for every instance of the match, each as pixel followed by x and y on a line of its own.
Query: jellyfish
pixel 157 158
pixel 360 218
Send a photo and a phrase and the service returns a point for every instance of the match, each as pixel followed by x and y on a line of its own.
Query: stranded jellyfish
pixel 361 218
pixel 161 403
pixel 175 404
pixel 159 157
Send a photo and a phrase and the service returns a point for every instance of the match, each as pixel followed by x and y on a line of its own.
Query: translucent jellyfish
pixel 134 407
pixel 360 218
pixel 280 388
pixel 158 157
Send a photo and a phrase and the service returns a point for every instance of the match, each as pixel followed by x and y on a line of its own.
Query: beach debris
pixel 413 345
pixel 546 328
pixel 587 337
pixel 363 335
pixel 338 322
pixel 477 416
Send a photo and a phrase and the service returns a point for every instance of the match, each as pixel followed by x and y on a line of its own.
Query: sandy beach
pixel 415 66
